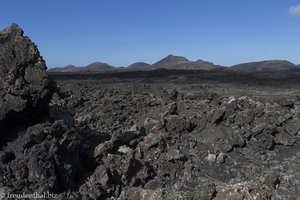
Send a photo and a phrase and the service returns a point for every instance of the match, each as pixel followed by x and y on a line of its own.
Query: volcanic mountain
pixel 170 62
pixel 266 66
pixel 175 62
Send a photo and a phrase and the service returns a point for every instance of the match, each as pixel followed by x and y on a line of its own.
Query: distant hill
pixel 197 65
pixel 139 66
pixel 265 66
pixel 179 62
pixel 68 68
pixel 98 67
pixel 93 67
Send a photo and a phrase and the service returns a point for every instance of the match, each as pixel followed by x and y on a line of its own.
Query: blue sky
pixel 120 32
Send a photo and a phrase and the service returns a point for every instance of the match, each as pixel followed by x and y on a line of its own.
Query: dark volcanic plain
pixel 190 134
pixel 160 134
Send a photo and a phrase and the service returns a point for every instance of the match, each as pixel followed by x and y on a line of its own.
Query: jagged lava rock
pixel 24 85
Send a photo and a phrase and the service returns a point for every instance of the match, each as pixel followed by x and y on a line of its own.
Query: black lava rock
pixel 25 88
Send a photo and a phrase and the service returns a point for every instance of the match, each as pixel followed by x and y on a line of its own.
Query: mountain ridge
pixel 179 62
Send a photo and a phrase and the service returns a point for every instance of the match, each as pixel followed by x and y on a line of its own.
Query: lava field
pixel 162 134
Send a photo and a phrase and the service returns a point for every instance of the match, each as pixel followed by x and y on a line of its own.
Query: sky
pixel 121 32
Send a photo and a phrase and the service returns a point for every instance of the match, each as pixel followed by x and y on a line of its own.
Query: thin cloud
pixel 294 10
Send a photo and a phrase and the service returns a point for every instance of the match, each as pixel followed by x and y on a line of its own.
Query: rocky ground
pixel 146 138
pixel 163 142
